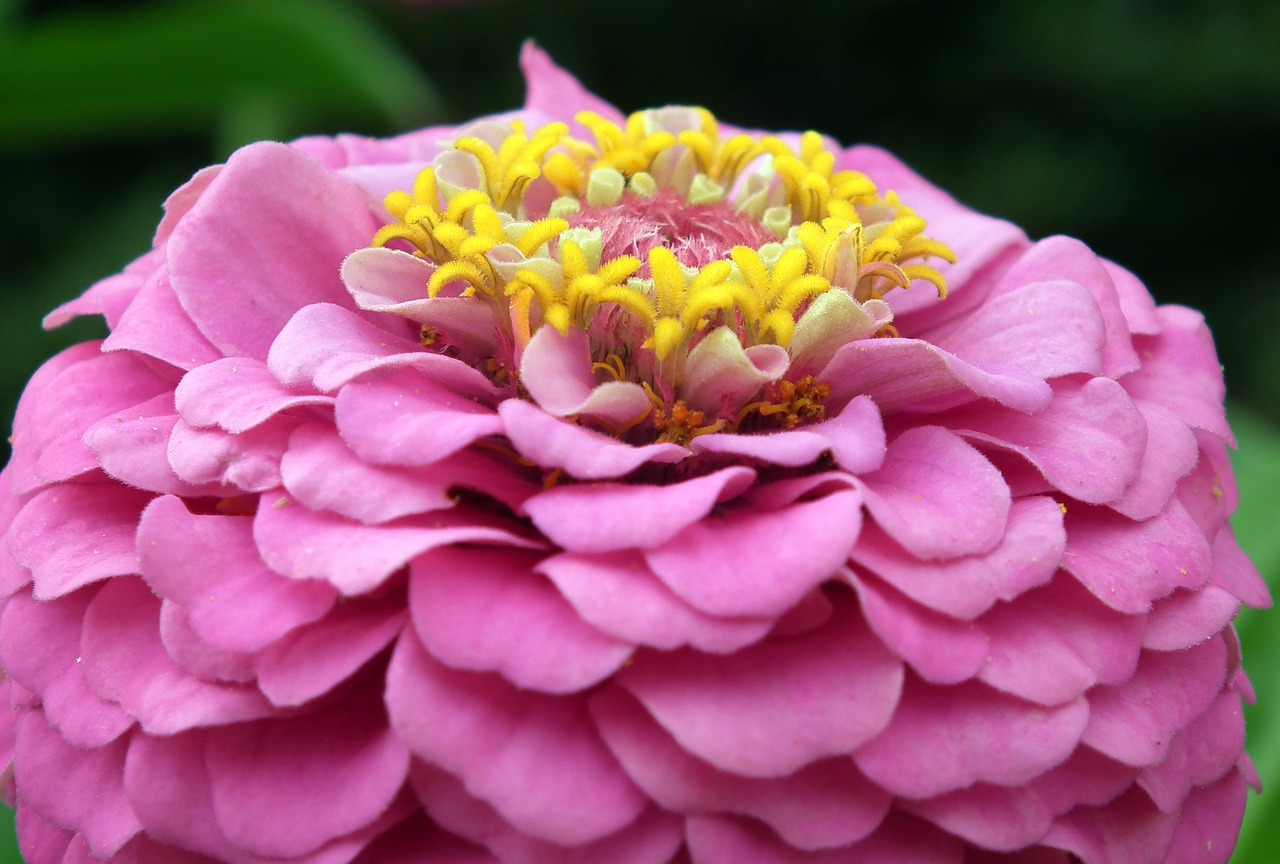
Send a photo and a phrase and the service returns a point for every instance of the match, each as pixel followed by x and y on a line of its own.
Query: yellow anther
pixel 668 281
pixel 455 271
pixel 539 233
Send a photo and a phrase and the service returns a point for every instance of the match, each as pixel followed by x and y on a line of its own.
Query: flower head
pixel 577 487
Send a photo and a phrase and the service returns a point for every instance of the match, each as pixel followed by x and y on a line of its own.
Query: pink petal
pixel 556 370
pixel 776 706
pixel 486 610
pixel 205 661
pixel 1128 830
pixel 1002 818
pixel 356 559
pixel 751 563
pixel 618 594
pixel 1089 442
pixel 721 375
pixel 74 534
pixel 945 738
pixel 556 93
pixel 496 739
pixel 182 199
pixel 125 662
pixel 1180 371
pixel 108 297
pixel 40 647
pixel 1135 721
pixel 900 839
pixel 898 373
pixel 319 776
pixel 235 260
pixel 210 566
pixel 417 840
pixel 606 517
pixel 133 446
pixel 1054 643
pixel 1170 455
pixel 1026 556
pixel 1135 300
pixel 46 766
pixel 940 649
pixel 937 496
pixel 404 419
pixel 326 346
pixel 1200 754
pixel 315 658
pixel 1087 778
pixel 1186 618
pixel 1233 571
pixel 249 461
pixel 237 394
pixel 554 443
pixel 652 838
pixel 823 805
pixel 1128 564
pixel 63 399
pixel 38 838
pixel 1208 823
pixel 156 325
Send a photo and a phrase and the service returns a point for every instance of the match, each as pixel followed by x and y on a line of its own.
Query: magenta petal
pixel 752 563
pixel 900 839
pixel 618 594
pixel 249 461
pixel 1199 755
pixel 822 805
pixel 64 398
pixel 1128 830
pixel 71 535
pixel 992 817
pixel 606 517
pixel 898 373
pixel 554 443
pixel 156 325
pixel 418 840
pixel 38 838
pixel 237 394
pixel 235 260
pixel 1126 564
pixel 320 776
pixel 1135 721
pixel 776 706
pixel 1054 643
pixel 355 558
pixel 486 610
pixel 125 661
pixel 196 656
pixel 133 446
pixel 495 738
pixel 940 649
pixel 405 419
pixel 46 766
pixel 1088 442
pixel 1233 571
pixel 937 496
pixel 1186 618
pixel 40 649
pixel 945 738
pixel 321 471
pixel 1170 454
pixel 1208 823
pixel 326 346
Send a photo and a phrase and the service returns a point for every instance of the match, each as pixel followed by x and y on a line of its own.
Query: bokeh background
pixel 1147 128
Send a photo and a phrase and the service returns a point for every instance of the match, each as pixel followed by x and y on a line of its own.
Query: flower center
pixel 717 272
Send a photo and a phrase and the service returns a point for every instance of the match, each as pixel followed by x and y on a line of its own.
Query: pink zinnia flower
pixel 569 487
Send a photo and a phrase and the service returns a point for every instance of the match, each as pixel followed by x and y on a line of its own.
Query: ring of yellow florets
pixel 833 230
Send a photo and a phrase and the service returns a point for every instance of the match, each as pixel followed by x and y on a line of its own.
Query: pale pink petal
pixel 899 839
pixel 71 535
pixel 319 776
pixel 937 496
pixel 125 662
pixel 942 650
pixel 713 566
pixel 1088 443
pixel 556 93
pixel 486 610
pixel 652 838
pixel 606 517
pixel 238 394
pixel 945 738
pixel 46 766
pixel 720 375
pixel 405 419
pixel 1027 556
pixel 156 325
pixel 1207 823
pixel 775 706
pixel 249 461
pixel 1128 830
pixel 1135 721
pixel 266 238
pixel 556 370
pixel 315 658
pixel 40 647
pixel 233 601
pixel 326 346
pixel 1199 755
pixel 1054 643
pixel 495 738
pixel 583 453
pixel 132 446
pixel 825 804
pixel 1127 564
pixel 355 558
pixel 617 593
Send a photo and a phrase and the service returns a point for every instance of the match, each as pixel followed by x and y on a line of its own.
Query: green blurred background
pixel 1147 129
